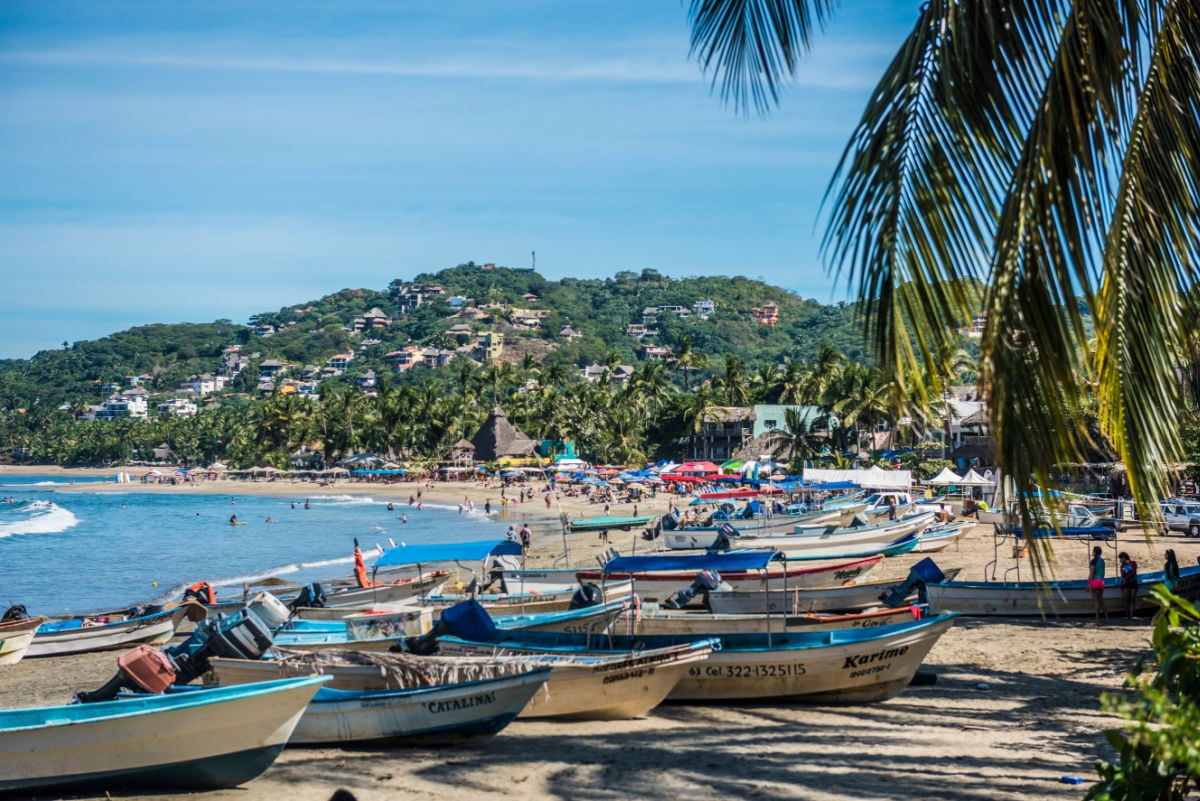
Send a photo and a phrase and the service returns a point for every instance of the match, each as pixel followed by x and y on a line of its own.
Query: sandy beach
pixel 1014 708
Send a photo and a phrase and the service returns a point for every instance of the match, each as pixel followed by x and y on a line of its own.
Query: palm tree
pixel 688 359
pixel 1014 156
pixel 800 438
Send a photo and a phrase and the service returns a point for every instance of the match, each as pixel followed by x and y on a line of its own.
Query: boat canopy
pixel 731 561
pixel 447 552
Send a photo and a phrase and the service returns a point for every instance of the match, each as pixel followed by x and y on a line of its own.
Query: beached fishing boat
pixel 364 634
pixel 79 635
pixel 850 597
pixel 677 534
pixel 580 687
pixel 609 523
pixel 676 572
pixel 901 545
pixel 1052 599
pixel 15 637
pixel 936 539
pixel 195 740
pixel 653 620
pixel 841 666
pixel 438 714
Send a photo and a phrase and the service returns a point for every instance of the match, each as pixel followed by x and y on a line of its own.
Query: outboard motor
pixel 922 573
pixel 724 538
pixel 242 635
pixel 312 595
pixel 858 521
pixel 587 595
pixel 15 612
pixel 705 581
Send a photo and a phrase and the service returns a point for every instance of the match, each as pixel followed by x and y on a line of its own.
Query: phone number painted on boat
pixel 748 671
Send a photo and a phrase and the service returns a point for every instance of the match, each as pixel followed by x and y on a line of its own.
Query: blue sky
pixel 168 161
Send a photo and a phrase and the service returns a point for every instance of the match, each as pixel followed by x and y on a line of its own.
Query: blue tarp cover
pixel 447 552
pixel 734 561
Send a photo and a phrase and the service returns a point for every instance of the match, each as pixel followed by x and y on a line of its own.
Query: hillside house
pixel 263 330
pixel 201 385
pixel 403 359
pixel 704 308
pixel 568 332
pixel 654 353
pixel 339 361
pixel 410 296
pixel 177 407
pixel 596 372
pixel 767 314
pixel 373 320
pixel 492 345
pixel 269 368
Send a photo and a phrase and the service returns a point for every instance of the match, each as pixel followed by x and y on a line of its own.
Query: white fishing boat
pixel 850 597
pixel 15 637
pixel 195 740
pixel 79 635
pixel 1054 598
pixel 932 540
pixel 841 666
pixel 657 584
pixel 587 687
pixel 691 537
pixel 654 620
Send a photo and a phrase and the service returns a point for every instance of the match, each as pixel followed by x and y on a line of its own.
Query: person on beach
pixel 891 508
pixel 487 506
pixel 1170 571
pixel 511 534
pixel 526 538
pixel 1129 581
pixel 1096 582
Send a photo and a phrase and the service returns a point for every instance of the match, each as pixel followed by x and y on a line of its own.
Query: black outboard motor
pixel 241 635
pixel 858 521
pixel 311 595
pixel 705 581
pixel 724 539
pixel 15 612
pixel 922 573
pixel 587 595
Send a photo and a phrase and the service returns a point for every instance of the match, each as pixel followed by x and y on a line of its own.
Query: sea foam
pixel 36 517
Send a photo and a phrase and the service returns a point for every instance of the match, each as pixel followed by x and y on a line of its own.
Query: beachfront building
pixel 770 417
pixel 723 432
pixel 499 439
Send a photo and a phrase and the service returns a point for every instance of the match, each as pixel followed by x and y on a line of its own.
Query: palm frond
pixel 751 46
pixel 1152 249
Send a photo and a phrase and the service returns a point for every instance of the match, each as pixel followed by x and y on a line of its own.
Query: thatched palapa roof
pixel 497 438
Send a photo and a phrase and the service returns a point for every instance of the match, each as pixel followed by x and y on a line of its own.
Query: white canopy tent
pixel 875 478
pixel 945 478
pixel 973 479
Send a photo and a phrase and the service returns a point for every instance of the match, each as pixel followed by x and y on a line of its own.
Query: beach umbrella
pixel 153 473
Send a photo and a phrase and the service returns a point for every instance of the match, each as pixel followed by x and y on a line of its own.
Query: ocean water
pixel 67 549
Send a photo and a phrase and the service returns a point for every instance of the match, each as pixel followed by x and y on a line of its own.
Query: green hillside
pixel 309 332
